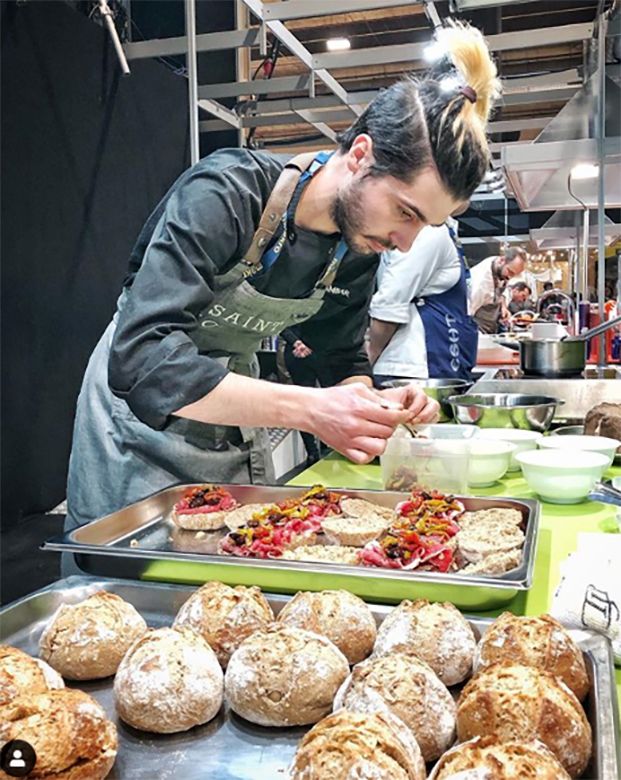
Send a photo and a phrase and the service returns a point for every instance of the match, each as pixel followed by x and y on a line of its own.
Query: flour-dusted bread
pixel 87 641
pixel 358 746
pixel 437 633
pixel 523 703
pixel 69 731
pixel 488 758
pixel 336 614
pixel 225 616
pixel 535 641
pixel 20 674
pixel 170 680
pixel 408 688
pixel 284 676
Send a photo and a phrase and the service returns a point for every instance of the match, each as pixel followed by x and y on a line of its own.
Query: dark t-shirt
pixel 201 228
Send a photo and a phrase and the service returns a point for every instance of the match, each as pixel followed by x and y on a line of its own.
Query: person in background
pixel 520 298
pixel 489 279
pixel 420 325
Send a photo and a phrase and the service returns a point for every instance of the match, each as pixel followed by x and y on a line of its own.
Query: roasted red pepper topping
pixel 206 498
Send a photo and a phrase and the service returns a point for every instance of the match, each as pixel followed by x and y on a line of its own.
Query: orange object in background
pixel 610 308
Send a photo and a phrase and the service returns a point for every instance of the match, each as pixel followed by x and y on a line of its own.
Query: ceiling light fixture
pixel 338 44
pixel 584 171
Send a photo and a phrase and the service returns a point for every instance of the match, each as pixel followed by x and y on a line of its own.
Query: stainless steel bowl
pixel 438 389
pixel 505 410
pixel 568 430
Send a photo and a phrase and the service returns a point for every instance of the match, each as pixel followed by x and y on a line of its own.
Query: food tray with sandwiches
pixel 381 545
pixel 575 674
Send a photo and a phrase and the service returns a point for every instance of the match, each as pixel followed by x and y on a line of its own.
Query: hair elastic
pixel 469 93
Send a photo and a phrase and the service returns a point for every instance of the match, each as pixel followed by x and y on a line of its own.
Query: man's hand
pixel 356 420
pixel 420 408
pixel 300 350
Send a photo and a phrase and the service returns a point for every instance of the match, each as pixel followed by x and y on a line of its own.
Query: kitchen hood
pixel 565 228
pixel 538 172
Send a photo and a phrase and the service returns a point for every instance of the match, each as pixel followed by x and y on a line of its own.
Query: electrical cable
pixel 573 195
pixel 268 65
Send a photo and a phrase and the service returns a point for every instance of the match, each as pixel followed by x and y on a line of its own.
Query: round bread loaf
pixel 523 703
pixel 87 641
pixel 70 733
pixel 437 633
pixel 492 759
pixel 409 689
pixel 19 674
pixel 358 745
pixel 284 676
pixel 169 680
pixel 225 616
pixel 336 614
pixel 535 641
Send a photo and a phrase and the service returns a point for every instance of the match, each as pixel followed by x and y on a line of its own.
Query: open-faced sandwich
pixel 203 508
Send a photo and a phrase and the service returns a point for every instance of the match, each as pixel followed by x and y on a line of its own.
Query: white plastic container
pixel 441 464
pixel 523 440
pixel 603 444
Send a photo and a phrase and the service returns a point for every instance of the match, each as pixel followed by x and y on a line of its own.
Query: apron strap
pixel 274 209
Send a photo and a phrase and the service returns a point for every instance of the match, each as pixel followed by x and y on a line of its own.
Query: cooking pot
pixel 559 357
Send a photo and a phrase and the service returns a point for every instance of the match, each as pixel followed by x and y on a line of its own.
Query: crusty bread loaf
pixel 604 420
pixel 225 616
pixel 284 676
pixel 489 758
pixel 70 733
pixel 358 745
pixel 19 674
pixel 336 614
pixel 522 703
pixel 437 633
pixel 409 689
pixel 87 641
pixel 535 641
pixel 169 680
pixel 360 507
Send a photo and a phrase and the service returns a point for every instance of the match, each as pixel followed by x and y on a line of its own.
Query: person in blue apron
pixel 246 244
pixel 420 325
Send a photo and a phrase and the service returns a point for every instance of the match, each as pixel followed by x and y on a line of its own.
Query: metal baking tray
pixel 230 748
pixel 142 542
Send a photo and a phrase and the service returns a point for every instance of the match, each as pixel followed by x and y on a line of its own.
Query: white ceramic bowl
pixel 488 461
pixel 523 440
pixel 562 476
pixel 601 444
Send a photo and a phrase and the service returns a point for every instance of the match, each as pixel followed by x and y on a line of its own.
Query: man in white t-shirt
pixel 419 320
pixel 489 279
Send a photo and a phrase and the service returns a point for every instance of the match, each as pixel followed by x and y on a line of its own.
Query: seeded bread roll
pixel 284 676
pixel 345 745
pixel 360 507
pixel 523 703
pixel 241 514
pixel 200 521
pixel 21 674
pixel 336 614
pixel 70 733
pixel 225 616
pixel 476 542
pixel 87 641
pixel 169 681
pixel 437 633
pixel 353 531
pixel 324 553
pixel 535 641
pixel 488 758
pixel 408 688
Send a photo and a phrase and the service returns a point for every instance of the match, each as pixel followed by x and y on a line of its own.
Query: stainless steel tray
pixel 230 748
pixel 144 544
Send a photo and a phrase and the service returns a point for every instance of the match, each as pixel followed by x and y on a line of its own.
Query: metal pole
pixel 107 16
pixel 601 133
pixel 190 32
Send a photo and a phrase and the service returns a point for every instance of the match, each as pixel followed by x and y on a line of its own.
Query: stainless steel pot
pixel 438 389
pixel 559 357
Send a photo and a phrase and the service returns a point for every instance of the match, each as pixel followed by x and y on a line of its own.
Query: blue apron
pixel 451 335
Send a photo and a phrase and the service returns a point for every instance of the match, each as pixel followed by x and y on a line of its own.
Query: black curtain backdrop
pixel 86 155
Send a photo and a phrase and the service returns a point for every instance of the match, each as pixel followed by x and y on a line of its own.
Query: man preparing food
pixel 245 245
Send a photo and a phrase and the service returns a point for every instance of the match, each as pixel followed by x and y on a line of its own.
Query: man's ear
pixel 360 153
